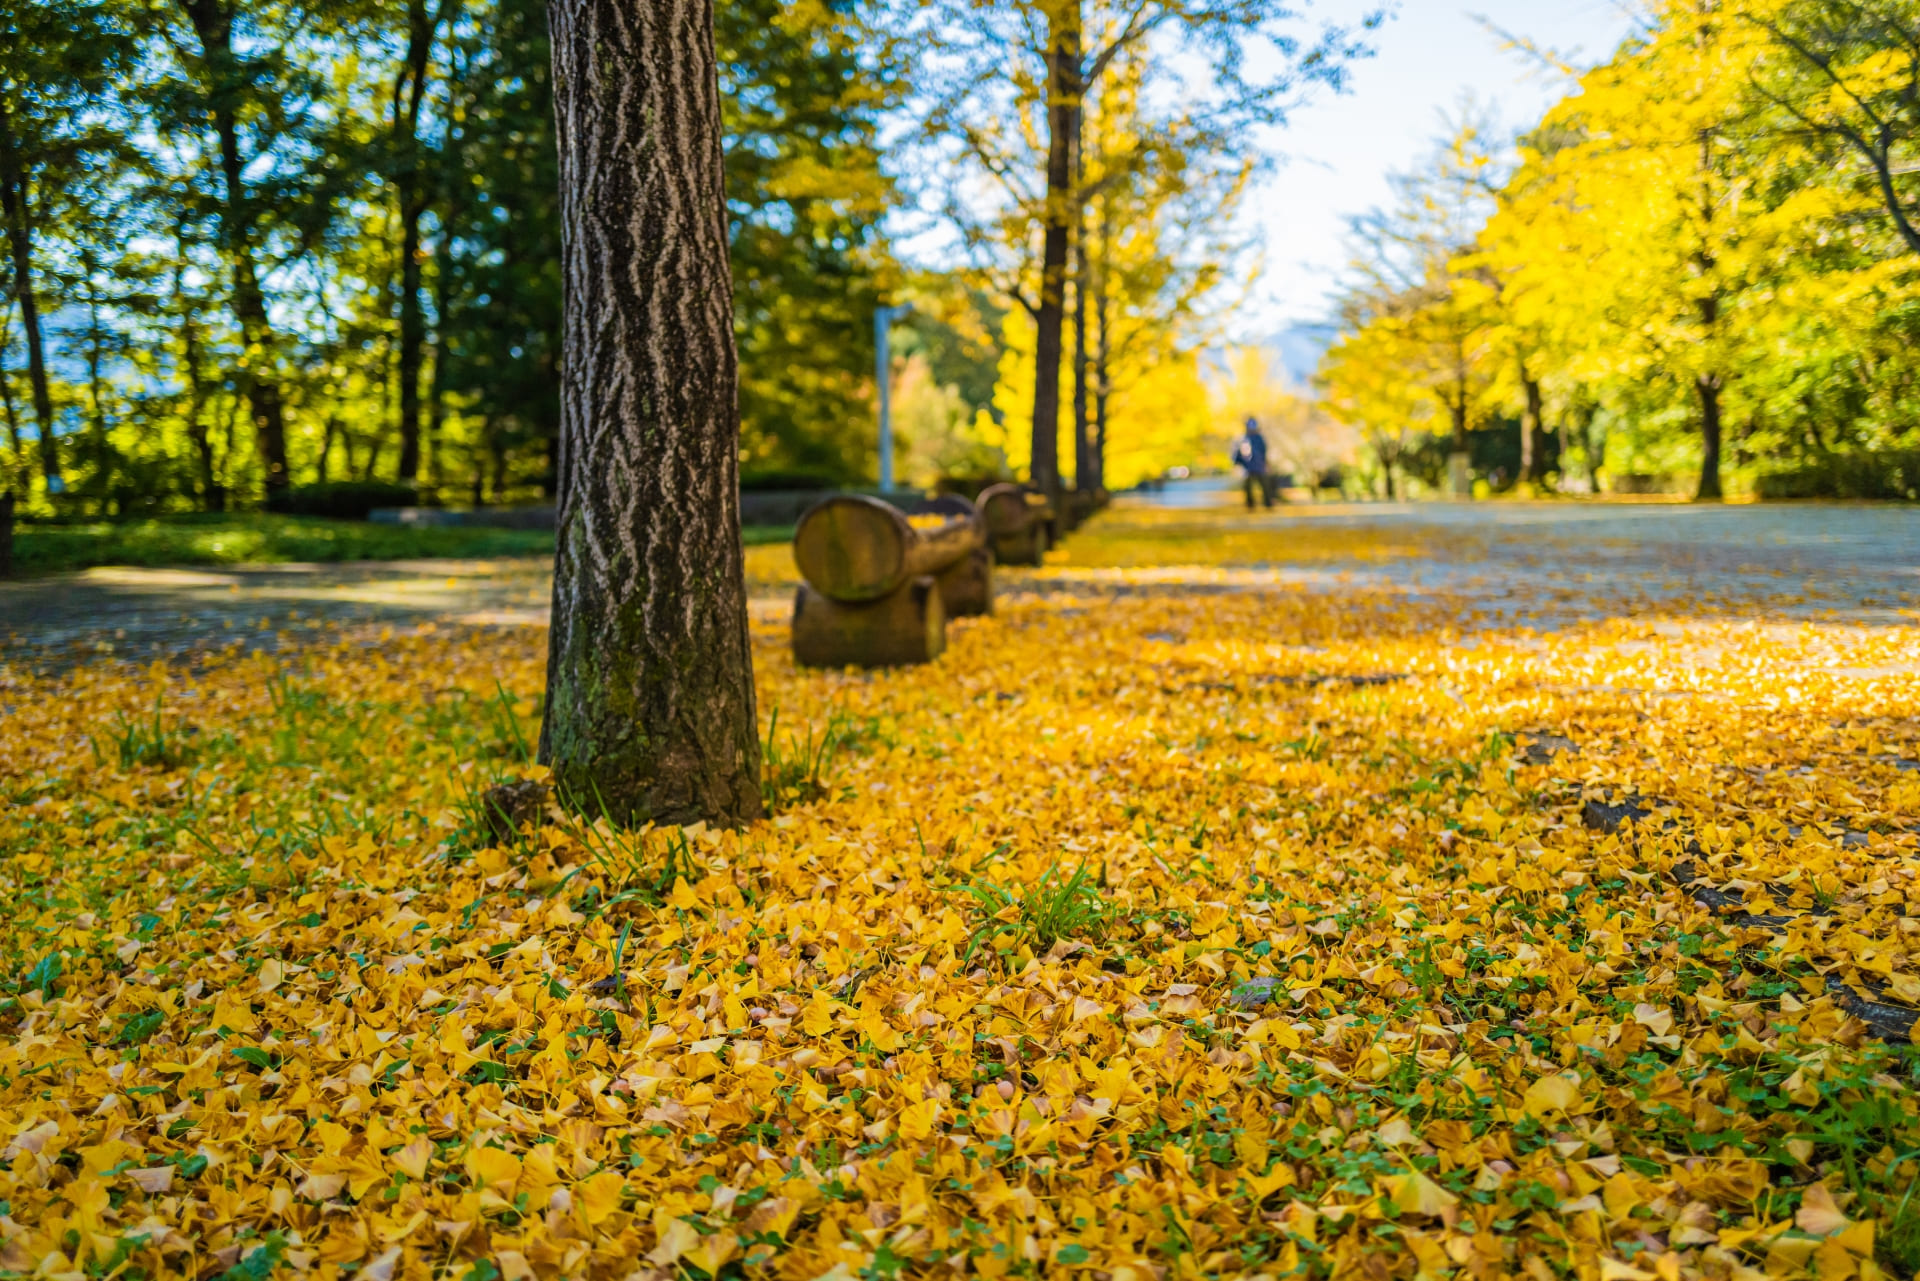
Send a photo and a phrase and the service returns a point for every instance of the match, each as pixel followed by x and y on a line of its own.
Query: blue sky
pixel 1340 149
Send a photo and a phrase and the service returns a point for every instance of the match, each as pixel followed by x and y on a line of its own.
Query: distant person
pixel 1250 456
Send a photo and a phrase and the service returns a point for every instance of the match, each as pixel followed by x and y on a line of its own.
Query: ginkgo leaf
pixel 1551 1094
pixel 1818 1215
pixel 1415 1193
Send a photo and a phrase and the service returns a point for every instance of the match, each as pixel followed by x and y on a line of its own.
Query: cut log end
pixel 852 548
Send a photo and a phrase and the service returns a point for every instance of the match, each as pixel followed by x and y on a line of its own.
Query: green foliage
pixel 1888 474
pixel 802 92
pixel 232 540
pixel 140 740
pixel 799 769
pixel 498 287
pixel 1054 907
pixel 148 258
pixel 771 479
pixel 44 974
pixel 342 499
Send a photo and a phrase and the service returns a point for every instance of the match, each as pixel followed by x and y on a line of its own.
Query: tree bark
pixel 6 401
pixel 650 704
pixel 1530 424
pixel 1102 349
pixel 1708 388
pixel 14 204
pixel 1083 478
pixel 327 430
pixel 1708 383
pixel 213 24
pixel 102 480
pixel 1063 98
pixel 212 498
pixel 410 195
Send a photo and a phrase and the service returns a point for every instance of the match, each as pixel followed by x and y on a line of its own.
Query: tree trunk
pixel 211 499
pixel 1530 421
pixel 1063 97
pixel 477 483
pixel 1708 387
pixel 102 481
pixel 1708 384
pixel 1083 478
pixel 650 705
pixel 6 398
pixel 408 90
pixel 1102 350
pixel 1566 450
pixel 1386 468
pixel 13 203
pixel 1591 446
pixel 433 455
pixel 213 24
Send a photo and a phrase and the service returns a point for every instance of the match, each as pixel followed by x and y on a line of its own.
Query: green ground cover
pixel 259 538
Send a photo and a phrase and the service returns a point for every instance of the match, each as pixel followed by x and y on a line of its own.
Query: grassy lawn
pixel 258 538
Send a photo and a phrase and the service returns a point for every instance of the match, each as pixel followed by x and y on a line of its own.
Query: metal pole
pixel 883 378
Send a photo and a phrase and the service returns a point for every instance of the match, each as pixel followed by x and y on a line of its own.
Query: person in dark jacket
pixel 1250 456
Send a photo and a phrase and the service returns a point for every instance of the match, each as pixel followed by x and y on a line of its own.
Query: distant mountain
pixel 1299 347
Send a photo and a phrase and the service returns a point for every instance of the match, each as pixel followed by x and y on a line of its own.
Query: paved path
pixel 1571 559
pixel 137 613
pixel 1548 561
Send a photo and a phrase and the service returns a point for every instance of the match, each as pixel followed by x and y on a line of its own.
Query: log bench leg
pixel 966 586
pixel 910 626
pixel 1026 547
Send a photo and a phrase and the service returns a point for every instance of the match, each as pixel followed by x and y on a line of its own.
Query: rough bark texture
pixel 650 708
pixel 1063 97
pixel 13 202
pixel 213 24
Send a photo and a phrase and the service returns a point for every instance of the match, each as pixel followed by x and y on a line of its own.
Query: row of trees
pixel 253 244
pixel 1098 152
pixel 1702 262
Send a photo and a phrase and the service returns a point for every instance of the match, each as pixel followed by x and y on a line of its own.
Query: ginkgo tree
pixel 1675 256
pixel 1006 93
pixel 1427 306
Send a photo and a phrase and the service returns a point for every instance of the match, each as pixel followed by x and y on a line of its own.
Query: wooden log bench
pixel 1019 523
pixel 872 596
pixel 966 586
pixel 1079 506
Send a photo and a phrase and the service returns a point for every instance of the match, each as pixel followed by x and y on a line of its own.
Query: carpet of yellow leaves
pixel 1171 925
